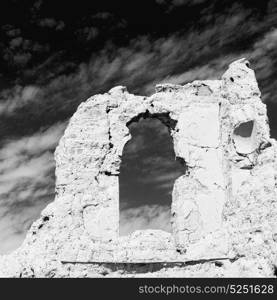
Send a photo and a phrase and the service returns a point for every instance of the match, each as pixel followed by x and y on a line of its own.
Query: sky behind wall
pixel 55 54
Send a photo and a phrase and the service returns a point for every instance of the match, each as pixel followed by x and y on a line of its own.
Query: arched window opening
pixel 147 174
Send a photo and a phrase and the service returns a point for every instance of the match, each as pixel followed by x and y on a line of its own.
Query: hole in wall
pixel 147 174
pixel 218 264
pixel 244 137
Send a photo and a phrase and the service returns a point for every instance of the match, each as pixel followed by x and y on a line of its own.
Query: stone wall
pixel 223 207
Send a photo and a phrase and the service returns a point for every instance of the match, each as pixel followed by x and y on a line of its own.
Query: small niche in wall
pixel 244 137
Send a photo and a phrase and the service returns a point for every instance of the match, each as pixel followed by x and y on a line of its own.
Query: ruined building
pixel 224 213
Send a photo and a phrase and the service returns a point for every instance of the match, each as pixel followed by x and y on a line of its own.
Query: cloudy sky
pixel 55 54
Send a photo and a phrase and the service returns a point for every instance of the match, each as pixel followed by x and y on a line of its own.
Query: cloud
pixel 13 228
pixel 176 3
pixel 178 58
pixel 21 59
pixel 87 33
pixel 19 51
pixel 11 31
pixel 136 144
pixel 26 182
pixel 157 177
pixel 145 217
pixel 37 4
pixel 17 97
pixel 51 23
pixel 16 42
pixel 171 5
pixel 264 55
pixel 102 15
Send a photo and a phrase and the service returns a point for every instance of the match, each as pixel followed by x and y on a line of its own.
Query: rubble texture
pixel 223 208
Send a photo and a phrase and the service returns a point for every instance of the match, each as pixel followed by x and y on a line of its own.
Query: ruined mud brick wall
pixel 223 208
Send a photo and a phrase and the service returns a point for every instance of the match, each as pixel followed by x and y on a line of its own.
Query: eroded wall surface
pixel 223 207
